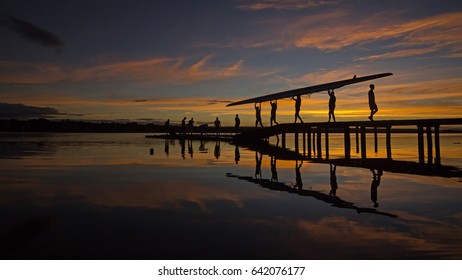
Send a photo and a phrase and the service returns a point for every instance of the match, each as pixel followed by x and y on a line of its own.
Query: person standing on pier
pixel 372 104
pixel 237 123
pixel 298 104
pixel 217 126
pixel 183 125
pixel 258 115
pixel 274 107
pixel 332 100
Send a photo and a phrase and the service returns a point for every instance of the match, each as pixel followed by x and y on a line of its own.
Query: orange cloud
pixel 158 70
pixel 423 35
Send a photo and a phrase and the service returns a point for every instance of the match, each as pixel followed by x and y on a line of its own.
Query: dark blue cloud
pixel 31 32
pixel 22 111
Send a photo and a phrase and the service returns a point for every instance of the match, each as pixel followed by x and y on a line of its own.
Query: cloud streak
pixel 31 32
pixel 259 5
pixel 157 70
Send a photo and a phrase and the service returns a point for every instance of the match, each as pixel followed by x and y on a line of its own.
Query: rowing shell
pixel 309 90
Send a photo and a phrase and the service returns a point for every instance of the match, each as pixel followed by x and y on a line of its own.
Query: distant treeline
pixel 45 125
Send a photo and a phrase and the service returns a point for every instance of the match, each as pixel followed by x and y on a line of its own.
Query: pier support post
pixel 314 143
pixel 318 142
pixel 357 139
pixel 429 144
pixel 283 140
pixel 296 141
pixel 363 142
pixel 346 140
pixel 304 142
pixel 376 141
pixel 388 140
pixel 437 145
pixel 420 144
pixel 326 138
pixel 309 142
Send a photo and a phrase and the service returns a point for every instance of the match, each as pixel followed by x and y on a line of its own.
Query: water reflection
pixel 297 188
pixel 92 194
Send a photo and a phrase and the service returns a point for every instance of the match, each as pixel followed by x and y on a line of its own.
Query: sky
pixel 148 61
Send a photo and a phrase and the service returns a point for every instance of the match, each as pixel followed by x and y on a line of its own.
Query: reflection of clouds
pixel 385 242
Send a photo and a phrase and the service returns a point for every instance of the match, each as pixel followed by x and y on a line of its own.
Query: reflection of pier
pixel 312 135
pixel 330 199
pixel 389 165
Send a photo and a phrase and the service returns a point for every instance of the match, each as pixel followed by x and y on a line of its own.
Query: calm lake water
pixel 106 196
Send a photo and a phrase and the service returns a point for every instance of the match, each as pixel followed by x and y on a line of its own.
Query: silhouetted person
pixel 183 125
pixel 274 107
pixel 217 124
pixel 298 104
pixel 374 185
pixel 274 172
pixel 191 125
pixel 237 154
pixel 258 115
pixel 258 164
pixel 372 104
pixel 332 100
pixel 237 123
pixel 298 175
pixel 217 150
pixel 333 180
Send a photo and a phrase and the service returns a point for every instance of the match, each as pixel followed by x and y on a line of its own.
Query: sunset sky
pixel 153 60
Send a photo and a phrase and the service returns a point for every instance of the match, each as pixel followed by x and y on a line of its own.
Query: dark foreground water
pixel 105 196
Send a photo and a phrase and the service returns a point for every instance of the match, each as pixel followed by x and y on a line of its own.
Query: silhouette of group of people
pixel 298 102
pixel 274 106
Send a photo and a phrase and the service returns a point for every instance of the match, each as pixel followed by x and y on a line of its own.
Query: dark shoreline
pixel 45 125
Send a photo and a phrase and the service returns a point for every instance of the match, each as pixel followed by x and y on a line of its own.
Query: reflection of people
pixel 216 152
pixel 237 155
pixel 190 148
pixel 217 126
pixel 372 104
pixel 182 143
pixel 298 104
pixel 274 107
pixel 375 184
pixel 167 147
pixel 298 175
pixel 258 115
pixel 333 180
pixel 332 100
pixel 258 164
pixel 237 123
pixel 274 172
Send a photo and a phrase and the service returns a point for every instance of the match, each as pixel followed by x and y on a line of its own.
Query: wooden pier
pixel 312 136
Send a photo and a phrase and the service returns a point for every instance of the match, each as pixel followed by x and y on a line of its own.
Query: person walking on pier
pixel 274 107
pixel 258 115
pixel 372 104
pixel 332 100
pixel 298 104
